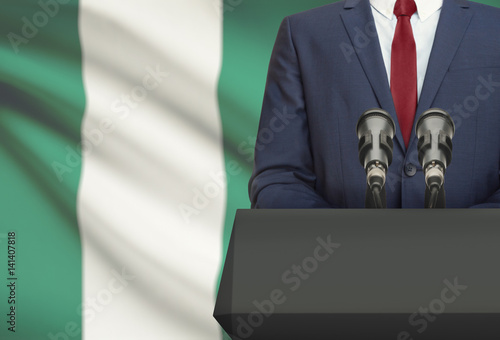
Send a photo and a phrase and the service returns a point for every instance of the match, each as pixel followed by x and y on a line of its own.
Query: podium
pixel 362 274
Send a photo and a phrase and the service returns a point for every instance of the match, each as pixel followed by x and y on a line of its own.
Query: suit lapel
pixel 453 23
pixel 356 16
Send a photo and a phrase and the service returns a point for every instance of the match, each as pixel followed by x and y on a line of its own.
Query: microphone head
pixel 375 130
pixel 435 119
pixel 435 129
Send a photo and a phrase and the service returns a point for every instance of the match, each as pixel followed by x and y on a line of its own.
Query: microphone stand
pixel 375 196
pixel 375 199
pixel 435 198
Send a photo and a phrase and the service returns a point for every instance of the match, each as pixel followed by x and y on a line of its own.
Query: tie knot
pixel 405 8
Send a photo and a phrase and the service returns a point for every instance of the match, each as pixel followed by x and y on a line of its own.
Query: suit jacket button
pixel 410 170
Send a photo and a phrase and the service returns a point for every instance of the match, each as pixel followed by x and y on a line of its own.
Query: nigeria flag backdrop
pixel 126 143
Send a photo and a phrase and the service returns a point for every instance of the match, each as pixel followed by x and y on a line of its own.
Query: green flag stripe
pixel 41 107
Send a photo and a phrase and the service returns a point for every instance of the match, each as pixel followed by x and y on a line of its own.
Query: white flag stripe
pixel 153 134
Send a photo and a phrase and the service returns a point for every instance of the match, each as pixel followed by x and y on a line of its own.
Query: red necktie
pixel 404 68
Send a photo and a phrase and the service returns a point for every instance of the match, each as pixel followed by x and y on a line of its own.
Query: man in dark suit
pixel 331 64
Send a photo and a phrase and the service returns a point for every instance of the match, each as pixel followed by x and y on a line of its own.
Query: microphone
pixel 435 130
pixel 375 130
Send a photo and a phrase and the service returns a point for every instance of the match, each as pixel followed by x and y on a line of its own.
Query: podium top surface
pixel 364 261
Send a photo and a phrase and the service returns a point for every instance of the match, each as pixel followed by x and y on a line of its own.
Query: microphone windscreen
pixel 435 129
pixel 375 130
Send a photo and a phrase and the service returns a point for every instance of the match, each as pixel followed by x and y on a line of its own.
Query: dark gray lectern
pixel 362 274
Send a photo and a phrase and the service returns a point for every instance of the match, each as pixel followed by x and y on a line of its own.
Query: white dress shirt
pixel 424 24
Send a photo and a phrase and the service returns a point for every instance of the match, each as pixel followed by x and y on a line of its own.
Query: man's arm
pixel 283 175
pixel 492 202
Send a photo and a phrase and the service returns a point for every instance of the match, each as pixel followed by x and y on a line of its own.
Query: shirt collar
pixel 425 8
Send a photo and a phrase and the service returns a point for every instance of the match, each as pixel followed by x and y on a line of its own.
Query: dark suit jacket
pixel 327 69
